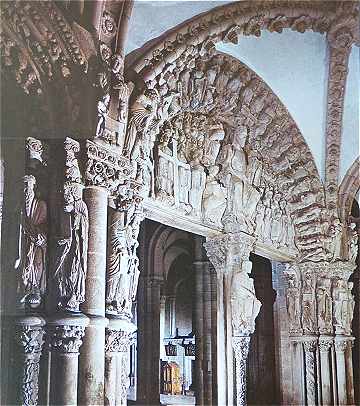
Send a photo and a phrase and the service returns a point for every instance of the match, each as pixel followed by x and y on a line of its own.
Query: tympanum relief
pixel 217 150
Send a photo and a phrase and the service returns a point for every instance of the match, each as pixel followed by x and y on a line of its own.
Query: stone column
pixel 310 346
pixel 162 326
pixel 199 333
pixel 241 347
pixel 349 372
pixel 30 338
pixel 92 365
pixel 213 283
pixel 207 363
pixel 118 337
pixel 172 313
pixel 325 344
pixel 340 348
pixel 65 338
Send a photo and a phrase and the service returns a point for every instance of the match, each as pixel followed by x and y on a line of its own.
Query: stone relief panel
pixel 319 298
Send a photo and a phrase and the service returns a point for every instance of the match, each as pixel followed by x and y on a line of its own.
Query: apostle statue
pixel 118 261
pixel 71 259
pixel 32 246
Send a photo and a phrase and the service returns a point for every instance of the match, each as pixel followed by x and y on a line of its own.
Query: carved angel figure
pixel 198 179
pixel 71 260
pixel 32 246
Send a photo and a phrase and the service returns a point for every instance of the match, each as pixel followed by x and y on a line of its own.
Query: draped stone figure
pixel 118 260
pixel 244 305
pixel 214 198
pixel 198 179
pixel 71 259
pixel 343 306
pixel 32 246
pixel 324 305
pixel 141 113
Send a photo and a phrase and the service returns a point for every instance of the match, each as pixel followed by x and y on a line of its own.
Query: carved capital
pixel 117 340
pixel 105 168
pixel 30 338
pixel 325 343
pixel 341 344
pixel 66 339
pixel 310 344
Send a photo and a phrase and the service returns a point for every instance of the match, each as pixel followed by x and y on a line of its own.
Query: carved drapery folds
pixel 320 309
pixel 31 262
pixel 319 298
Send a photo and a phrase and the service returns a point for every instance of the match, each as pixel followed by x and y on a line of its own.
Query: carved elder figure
pixel 32 246
pixel 214 198
pixel 71 261
pixel 141 113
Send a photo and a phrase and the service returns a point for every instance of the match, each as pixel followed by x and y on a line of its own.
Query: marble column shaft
pixel 325 344
pixel 340 348
pixel 207 358
pixel 199 333
pixel 65 341
pixel 92 365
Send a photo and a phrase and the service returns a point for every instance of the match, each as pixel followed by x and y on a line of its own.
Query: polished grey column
pixel 91 364
pixel 65 338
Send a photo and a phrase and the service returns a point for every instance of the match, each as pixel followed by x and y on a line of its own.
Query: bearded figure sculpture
pixel 71 260
pixel 32 246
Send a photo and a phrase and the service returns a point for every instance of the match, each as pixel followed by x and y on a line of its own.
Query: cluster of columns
pixel 320 309
pixel 237 309
pixel 87 349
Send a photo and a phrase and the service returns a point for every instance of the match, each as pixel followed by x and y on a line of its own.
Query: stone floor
pixel 177 400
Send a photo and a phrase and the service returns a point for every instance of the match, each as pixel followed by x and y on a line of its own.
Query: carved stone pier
pixel 30 338
pixel 230 257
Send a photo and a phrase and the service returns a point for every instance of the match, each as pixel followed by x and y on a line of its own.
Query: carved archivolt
pixel 38 44
pixel 217 145
pixel 222 148
pixel 348 188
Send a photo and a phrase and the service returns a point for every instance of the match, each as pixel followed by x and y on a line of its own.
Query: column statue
pixel 32 246
pixel 71 260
